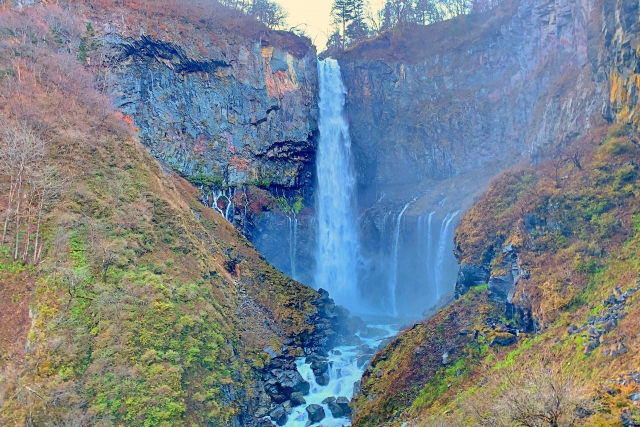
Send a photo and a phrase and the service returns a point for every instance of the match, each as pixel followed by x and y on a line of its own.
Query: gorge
pixel 221 226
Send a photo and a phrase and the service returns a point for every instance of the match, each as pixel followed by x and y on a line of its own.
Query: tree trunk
pixel 8 214
pixel 19 191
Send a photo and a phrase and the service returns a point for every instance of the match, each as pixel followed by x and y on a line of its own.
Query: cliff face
pixel 245 114
pixel 235 113
pixel 437 111
pixel 486 88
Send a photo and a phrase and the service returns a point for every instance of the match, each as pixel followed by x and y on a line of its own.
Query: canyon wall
pixel 237 116
pixel 436 112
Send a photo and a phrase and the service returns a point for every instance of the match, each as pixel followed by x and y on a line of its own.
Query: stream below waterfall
pixel 343 372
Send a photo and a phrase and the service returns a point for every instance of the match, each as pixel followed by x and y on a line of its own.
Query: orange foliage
pixel 561 217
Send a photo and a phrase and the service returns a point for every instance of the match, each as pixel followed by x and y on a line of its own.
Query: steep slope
pixel 560 261
pixel 145 307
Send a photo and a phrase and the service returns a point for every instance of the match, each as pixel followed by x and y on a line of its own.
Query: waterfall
pixel 293 244
pixel 337 251
pixel 393 283
pixel 430 270
pixel 442 244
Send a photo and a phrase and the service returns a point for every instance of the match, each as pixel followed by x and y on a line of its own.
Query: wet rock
pixel 357 388
pixel 362 359
pixel 337 352
pixel 355 324
pixel 336 410
pixel 279 415
pixel 344 404
pixel 280 383
pixel 350 340
pixel 323 379
pixel 297 399
pixel 313 357
pixel 315 412
pixel 319 368
pixel 470 276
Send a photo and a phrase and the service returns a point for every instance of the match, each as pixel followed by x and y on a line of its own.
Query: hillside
pixel 568 314
pixel 141 306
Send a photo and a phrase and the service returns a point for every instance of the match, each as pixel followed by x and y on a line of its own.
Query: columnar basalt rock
pixel 245 115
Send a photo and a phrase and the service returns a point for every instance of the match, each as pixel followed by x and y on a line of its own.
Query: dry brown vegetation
pixel 142 306
pixel 573 221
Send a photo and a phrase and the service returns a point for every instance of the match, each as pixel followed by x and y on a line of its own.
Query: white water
pixel 442 244
pixel 430 272
pixel 393 283
pixel 343 373
pixel 293 245
pixel 337 252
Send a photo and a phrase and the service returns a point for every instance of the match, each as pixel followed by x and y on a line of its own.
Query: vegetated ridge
pixel 140 306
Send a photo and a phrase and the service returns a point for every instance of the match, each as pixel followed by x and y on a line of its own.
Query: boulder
pixel 279 415
pixel 356 388
pixel 362 359
pixel 503 339
pixel 468 277
pixel 319 368
pixel 336 410
pixel 314 357
pixel 297 399
pixel 281 383
pixel 323 379
pixel 315 412
pixel 292 381
pixel 344 404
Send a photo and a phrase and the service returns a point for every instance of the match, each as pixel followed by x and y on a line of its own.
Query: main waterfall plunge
pixel 415 268
pixel 337 253
pixel 337 257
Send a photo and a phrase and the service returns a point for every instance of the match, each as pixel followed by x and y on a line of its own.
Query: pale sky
pixel 317 15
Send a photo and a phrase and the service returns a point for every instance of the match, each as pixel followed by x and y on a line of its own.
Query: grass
pixel 573 269
pixel 137 317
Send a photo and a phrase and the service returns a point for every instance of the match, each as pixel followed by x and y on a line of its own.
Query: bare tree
pixel 48 187
pixel 536 397
pixel 20 152
pixel 33 186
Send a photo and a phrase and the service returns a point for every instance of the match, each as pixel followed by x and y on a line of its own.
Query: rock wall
pixel 246 115
pixel 237 116
pixel 620 59
pixel 434 123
